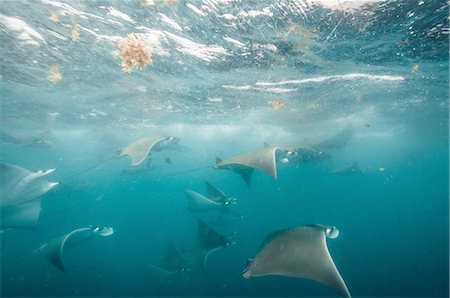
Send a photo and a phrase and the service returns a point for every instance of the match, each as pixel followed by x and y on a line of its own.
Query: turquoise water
pixel 227 77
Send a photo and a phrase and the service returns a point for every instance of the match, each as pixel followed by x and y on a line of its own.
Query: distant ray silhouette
pixel 316 152
pixel 339 140
pixel 172 262
pixel 299 252
pixel 208 241
pixel 226 216
pixel 41 139
pixel 352 168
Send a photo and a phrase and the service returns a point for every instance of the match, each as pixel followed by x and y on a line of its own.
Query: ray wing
pixel 139 149
pixel 299 252
pixel 215 194
pixel 208 241
pixel 339 140
pixel 10 175
pixel 208 238
pixel 18 216
pixel 172 261
pixel 263 159
pixel 54 250
pixel 200 203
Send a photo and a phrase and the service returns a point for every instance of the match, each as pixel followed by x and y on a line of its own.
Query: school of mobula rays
pixel 296 252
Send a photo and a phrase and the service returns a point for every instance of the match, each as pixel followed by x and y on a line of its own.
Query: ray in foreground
pixel 20 191
pixel 54 249
pixel 140 149
pixel 263 159
pixel 299 252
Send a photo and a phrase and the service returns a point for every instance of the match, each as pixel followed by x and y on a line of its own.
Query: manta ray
pixel 263 159
pixel 20 191
pixel 304 154
pixel 339 140
pixel 172 262
pixel 55 248
pixel 208 241
pixel 299 252
pixel 226 216
pixel 214 200
pixel 316 152
pixel 353 168
pixel 37 140
pixel 140 149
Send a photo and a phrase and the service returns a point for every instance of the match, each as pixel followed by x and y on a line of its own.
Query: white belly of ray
pixel 20 190
pixel 23 215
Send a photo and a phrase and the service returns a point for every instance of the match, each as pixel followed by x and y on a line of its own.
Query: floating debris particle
pixel 147 3
pixel 141 88
pixel 381 170
pixel 311 106
pixel 359 98
pixel 171 2
pixel 298 36
pixel 75 30
pixel 215 99
pixel 54 17
pixel 277 104
pixel 415 68
pixel 54 75
pixel 135 52
pixel 99 197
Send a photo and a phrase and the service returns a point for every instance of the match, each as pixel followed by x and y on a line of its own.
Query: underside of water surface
pixel 308 119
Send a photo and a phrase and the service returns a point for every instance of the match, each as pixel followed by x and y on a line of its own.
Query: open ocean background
pixel 228 76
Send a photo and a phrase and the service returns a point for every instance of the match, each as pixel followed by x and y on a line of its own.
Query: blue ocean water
pixel 226 77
